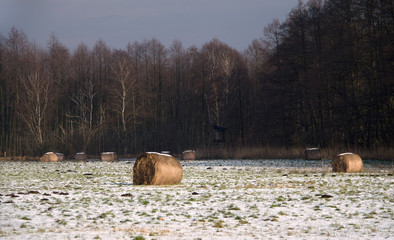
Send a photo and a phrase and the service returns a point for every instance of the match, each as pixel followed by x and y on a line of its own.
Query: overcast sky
pixel 118 22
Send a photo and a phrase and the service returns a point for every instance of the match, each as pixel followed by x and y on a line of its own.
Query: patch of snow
pixel 163 154
pixel 347 153
pixel 187 151
pixel 221 199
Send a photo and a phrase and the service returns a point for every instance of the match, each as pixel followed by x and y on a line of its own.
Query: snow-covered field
pixel 221 199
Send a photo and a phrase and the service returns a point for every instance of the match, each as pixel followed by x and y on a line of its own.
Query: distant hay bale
pixel 108 156
pixel 80 156
pixel 189 155
pixel 49 157
pixel 157 169
pixel 60 156
pixel 312 154
pixel 347 162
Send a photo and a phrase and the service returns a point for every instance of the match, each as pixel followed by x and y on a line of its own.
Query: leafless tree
pixel 84 116
pixel 219 68
pixel 273 38
pixel 124 92
pixel 125 101
pixel 35 98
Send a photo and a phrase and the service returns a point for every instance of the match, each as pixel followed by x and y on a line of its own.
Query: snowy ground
pixel 228 199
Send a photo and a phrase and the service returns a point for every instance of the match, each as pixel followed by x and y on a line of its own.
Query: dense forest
pixel 323 77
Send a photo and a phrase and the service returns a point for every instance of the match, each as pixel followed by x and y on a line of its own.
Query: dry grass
pixel 19 158
pixel 269 152
pixel 250 153
pixel 261 152
pixel 379 153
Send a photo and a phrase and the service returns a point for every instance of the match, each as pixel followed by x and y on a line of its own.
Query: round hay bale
pixel 60 156
pixel 80 156
pixel 49 157
pixel 157 169
pixel 189 155
pixel 347 162
pixel 312 154
pixel 108 156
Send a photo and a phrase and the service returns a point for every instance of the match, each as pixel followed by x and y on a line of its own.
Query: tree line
pixel 323 77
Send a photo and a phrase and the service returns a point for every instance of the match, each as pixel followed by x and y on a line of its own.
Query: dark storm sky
pixel 118 22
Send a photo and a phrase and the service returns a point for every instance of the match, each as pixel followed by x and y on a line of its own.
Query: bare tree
pixel 84 117
pixel 219 69
pixel 272 40
pixel 35 98
pixel 125 99
pixel 17 61
pixel 124 92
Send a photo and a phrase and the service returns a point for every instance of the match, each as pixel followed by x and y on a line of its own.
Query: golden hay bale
pixel 347 162
pixel 157 169
pixel 80 156
pixel 60 156
pixel 189 155
pixel 108 156
pixel 312 154
pixel 49 157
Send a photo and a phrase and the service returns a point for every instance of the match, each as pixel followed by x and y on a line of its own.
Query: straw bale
pixel 347 162
pixel 189 155
pixel 80 156
pixel 312 154
pixel 157 169
pixel 49 157
pixel 108 156
pixel 60 156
